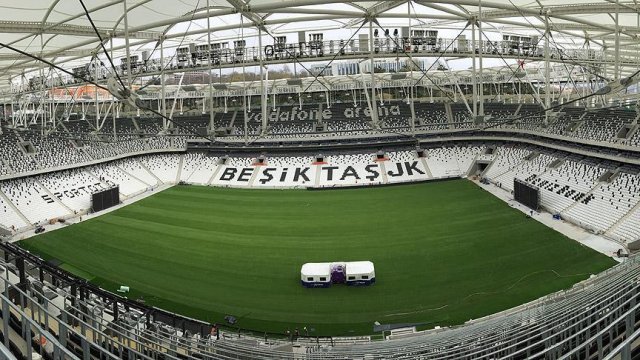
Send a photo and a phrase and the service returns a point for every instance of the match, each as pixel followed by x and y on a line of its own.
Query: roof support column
pixel 547 68
pixel 474 79
pixel 43 89
pixel 617 43
pixel 263 88
pixel 114 105
pixel 480 50
pixel 212 126
pixel 163 97
pixel 97 71
pixel 410 94
pixel 373 105
pixel 126 41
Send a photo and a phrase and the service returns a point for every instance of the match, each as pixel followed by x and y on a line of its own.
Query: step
pixel 611 229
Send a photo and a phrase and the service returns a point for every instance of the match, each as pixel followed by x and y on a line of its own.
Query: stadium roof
pixel 60 31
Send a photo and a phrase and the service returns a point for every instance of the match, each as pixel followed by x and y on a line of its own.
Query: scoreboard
pixel 526 194
pixel 105 199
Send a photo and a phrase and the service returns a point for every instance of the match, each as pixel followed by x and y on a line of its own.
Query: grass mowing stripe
pixel 444 252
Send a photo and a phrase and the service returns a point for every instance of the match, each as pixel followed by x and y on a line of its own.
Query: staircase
pixel 447 108
pixel 611 229
pixel 515 114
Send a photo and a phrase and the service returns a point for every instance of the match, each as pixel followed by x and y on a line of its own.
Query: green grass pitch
pixel 444 252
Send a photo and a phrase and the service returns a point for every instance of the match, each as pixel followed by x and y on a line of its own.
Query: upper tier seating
pixel 13 155
pixel 53 150
pixel 395 115
pixel 603 125
pixel 462 118
pixel 431 116
pixel 78 141
pixel 500 111
pixel 634 140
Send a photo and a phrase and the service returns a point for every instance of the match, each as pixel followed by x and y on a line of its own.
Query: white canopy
pixel 60 31
pixel 315 269
pixel 360 268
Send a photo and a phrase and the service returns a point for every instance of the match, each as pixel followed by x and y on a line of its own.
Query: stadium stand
pixel 136 169
pixel 608 203
pixel 14 155
pixel 57 149
pixel 198 168
pixel 570 185
pixel 35 202
pixel 596 194
pixel 552 104
pixel 603 125
pixel 628 228
pixel 431 116
pixel 165 167
pixel 72 187
pixel 112 175
pixel 506 160
pixel 10 217
pixel 566 184
pixel 451 161
pixel 290 160
pixel 536 165
pixel 396 120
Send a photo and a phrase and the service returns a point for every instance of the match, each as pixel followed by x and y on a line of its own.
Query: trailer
pixel 354 273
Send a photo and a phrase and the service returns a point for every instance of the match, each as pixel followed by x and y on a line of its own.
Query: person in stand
pixel 296 334
pixel 288 334
pixel 306 331
pixel 215 332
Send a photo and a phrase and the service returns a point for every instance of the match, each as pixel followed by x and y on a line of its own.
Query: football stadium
pixel 303 179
